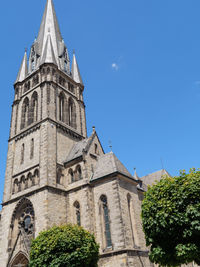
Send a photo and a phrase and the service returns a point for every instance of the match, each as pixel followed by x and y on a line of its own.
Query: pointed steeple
pixel 23 71
pixel 48 54
pixel 50 26
pixel 75 71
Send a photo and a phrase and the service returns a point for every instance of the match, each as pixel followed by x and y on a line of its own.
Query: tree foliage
pixel 171 219
pixel 62 246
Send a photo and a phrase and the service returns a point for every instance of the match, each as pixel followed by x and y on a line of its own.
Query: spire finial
pixel 73 51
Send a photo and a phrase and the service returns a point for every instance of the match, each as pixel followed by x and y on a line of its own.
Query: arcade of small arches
pixel 73 175
pixel 25 182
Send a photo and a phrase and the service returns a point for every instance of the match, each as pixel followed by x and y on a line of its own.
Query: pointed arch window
pixel 71 173
pixel 77 213
pixel 25 113
pixel 78 172
pixel 34 107
pixel 106 221
pixel 22 153
pixel 72 113
pixel 61 107
pixel 32 149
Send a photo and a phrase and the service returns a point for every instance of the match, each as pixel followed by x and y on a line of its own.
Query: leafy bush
pixel 63 246
pixel 171 219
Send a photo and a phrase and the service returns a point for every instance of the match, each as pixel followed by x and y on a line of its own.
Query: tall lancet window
pixel 34 107
pixel 77 213
pixel 22 153
pixel 105 221
pixel 72 113
pixel 25 113
pixel 61 107
pixel 32 149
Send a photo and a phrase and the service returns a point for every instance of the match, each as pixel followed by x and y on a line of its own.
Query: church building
pixel 56 173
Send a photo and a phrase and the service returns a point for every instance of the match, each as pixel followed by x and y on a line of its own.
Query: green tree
pixel 62 246
pixel 171 219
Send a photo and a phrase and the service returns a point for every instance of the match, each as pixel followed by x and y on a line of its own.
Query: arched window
pixel 59 176
pixel 78 172
pixel 36 175
pixel 32 149
pixel 72 113
pixel 23 220
pixel 61 107
pixel 22 182
pixel 71 173
pixel 22 153
pixel 34 108
pixel 29 178
pixel 15 186
pixel 25 113
pixel 77 213
pixel 105 221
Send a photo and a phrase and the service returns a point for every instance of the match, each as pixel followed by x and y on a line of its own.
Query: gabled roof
pixel 80 147
pixel 77 150
pixel 23 71
pixel 108 164
pixel 151 178
pixel 75 71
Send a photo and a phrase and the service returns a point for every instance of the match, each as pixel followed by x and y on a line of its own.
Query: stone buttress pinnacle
pixel 75 71
pixel 23 71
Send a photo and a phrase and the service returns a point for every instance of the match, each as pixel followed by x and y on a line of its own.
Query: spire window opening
pixel 32 65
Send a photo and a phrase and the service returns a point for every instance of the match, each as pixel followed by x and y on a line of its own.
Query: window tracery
pixel 22 222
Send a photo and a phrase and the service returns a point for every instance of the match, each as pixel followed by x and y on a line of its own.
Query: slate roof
pixel 108 164
pixel 153 177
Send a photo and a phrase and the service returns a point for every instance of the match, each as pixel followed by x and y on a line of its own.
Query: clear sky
pixel 140 63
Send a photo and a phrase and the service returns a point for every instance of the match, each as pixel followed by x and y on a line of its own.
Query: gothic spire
pixel 57 48
pixel 49 25
pixel 75 71
pixel 48 54
pixel 23 71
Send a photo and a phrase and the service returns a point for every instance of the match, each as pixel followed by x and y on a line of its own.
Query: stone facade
pixel 56 174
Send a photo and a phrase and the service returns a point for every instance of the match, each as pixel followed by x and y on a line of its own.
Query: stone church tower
pixel 55 173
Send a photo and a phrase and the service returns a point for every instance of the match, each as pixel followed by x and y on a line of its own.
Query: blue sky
pixel 140 62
